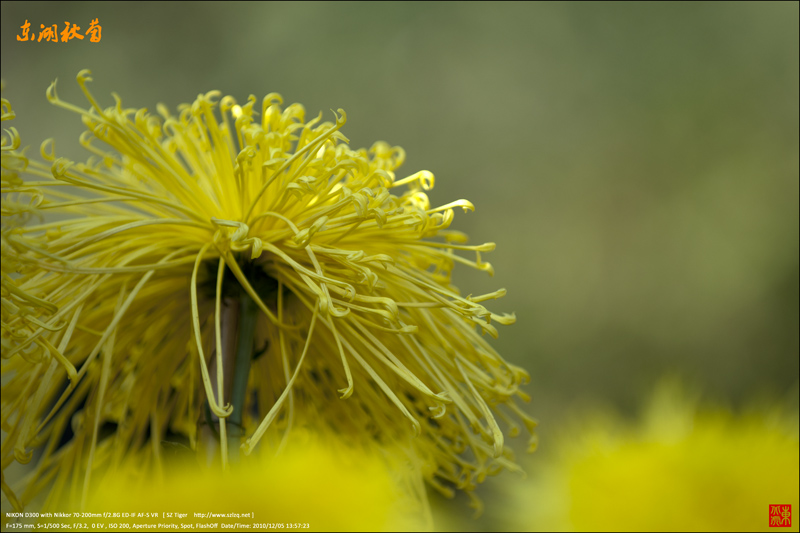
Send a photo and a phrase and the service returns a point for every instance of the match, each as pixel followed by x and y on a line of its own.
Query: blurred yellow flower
pixel 215 271
pixel 316 485
pixel 682 469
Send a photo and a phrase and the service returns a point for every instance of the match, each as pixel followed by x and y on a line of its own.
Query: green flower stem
pixel 244 353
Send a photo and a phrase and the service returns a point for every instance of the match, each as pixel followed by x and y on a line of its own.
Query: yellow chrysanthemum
pixel 315 485
pixel 682 469
pixel 192 242
pixel 17 209
pixel 318 483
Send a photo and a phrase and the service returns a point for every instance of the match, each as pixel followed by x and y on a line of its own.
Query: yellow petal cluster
pixel 684 467
pixel 18 207
pixel 316 485
pixel 114 298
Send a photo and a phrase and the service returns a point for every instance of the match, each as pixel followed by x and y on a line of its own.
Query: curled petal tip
pixel 84 76
pixel 52 96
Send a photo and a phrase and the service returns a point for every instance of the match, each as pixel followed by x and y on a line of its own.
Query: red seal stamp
pixel 780 515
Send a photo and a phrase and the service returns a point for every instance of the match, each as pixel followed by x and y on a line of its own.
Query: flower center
pixel 265 285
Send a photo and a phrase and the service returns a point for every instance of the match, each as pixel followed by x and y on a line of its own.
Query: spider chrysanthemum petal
pixel 113 337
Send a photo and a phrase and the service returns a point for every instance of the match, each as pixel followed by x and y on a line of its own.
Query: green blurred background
pixel 636 164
